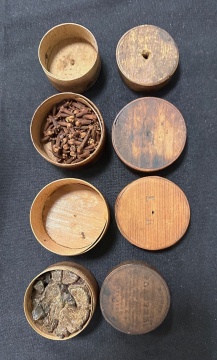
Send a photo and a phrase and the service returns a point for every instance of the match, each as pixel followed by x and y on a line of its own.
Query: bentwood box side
pixel 69 216
pixel 69 56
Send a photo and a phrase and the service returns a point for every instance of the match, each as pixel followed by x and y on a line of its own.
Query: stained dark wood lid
pixel 149 134
pixel 152 213
pixel 147 57
pixel 134 298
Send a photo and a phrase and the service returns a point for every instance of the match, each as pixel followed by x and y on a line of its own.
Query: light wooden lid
pixel 147 57
pixel 149 134
pixel 152 213
pixel 69 216
pixel 134 298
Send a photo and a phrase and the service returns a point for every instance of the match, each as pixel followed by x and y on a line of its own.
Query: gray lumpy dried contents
pixel 57 276
pixel 69 277
pixel 81 295
pixel 39 287
pixel 38 313
pixel 63 306
pixel 72 319
pixel 68 299
pixel 47 278
pixel 49 324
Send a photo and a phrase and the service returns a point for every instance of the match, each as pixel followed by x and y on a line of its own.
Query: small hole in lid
pixel 145 54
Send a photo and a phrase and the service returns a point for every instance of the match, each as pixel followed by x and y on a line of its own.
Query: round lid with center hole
pixel 152 213
pixel 147 57
pixel 149 134
pixel 134 298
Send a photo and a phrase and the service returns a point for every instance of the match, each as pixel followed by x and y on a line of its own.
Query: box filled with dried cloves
pixel 68 130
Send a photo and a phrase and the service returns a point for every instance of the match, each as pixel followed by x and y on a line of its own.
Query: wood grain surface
pixel 74 216
pixel 152 213
pixel 149 134
pixel 134 298
pixel 71 58
pixel 147 57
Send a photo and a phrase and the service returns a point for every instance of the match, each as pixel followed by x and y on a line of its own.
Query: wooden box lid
pixel 152 213
pixel 149 134
pixel 134 298
pixel 147 57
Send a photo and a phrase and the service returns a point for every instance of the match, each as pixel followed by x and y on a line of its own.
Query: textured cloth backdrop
pixel 190 268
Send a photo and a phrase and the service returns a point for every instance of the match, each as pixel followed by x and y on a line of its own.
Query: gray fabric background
pixel 190 330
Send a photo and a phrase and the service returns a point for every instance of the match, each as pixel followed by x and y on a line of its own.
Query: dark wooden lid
pixel 134 298
pixel 147 57
pixel 152 213
pixel 149 134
